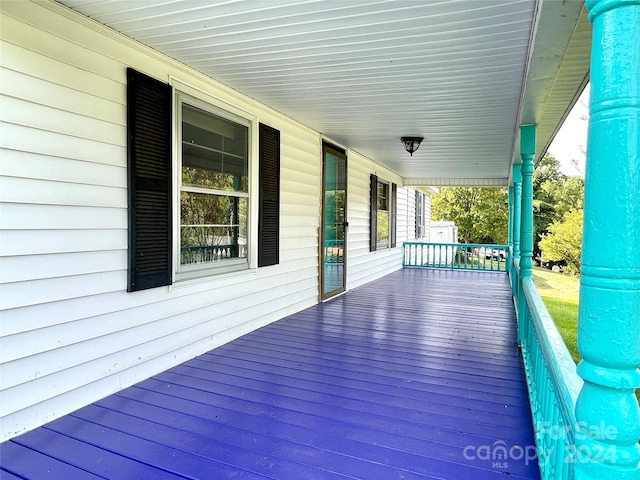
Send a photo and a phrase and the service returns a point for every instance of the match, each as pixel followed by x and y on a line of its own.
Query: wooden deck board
pixel 403 378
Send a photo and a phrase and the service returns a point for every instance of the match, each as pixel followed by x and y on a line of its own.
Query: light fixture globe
pixel 411 144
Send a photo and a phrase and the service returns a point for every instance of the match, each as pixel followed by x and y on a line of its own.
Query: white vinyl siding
pixel 427 216
pixel 71 333
pixel 404 219
pixel 363 265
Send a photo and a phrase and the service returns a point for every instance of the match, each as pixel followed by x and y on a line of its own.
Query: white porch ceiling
pixel 365 73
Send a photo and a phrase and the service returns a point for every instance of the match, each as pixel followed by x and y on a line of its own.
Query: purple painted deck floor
pixel 413 376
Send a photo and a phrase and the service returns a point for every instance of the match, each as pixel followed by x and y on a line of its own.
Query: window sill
pixel 219 274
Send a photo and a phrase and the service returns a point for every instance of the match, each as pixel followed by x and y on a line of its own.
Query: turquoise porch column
pixel 609 315
pixel 517 205
pixel 510 232
pixel 527 152
pixel 517 208
pixel 510 236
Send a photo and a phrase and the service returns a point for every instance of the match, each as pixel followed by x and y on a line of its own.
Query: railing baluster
pixel 553 386
pixel 456 256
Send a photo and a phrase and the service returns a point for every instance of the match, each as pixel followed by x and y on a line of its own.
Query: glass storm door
pixel 333 261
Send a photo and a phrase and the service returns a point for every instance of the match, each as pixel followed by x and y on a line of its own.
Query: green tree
pixel 564 241
pixel 548 169
pixel 481 214
pixel 570 196
pixel 545 179
pixel 334 206
pixel 554 194
pixel 197 210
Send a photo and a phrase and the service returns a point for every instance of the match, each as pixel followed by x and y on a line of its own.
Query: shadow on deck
pixel 414 376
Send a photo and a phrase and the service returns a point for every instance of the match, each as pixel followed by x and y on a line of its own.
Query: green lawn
pixel 559 293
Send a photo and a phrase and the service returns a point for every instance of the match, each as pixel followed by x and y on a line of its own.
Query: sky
pixel 570 143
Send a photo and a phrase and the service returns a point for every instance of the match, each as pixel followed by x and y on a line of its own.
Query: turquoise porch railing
pixel 211 253
pixel 334 251
pixel 552 381
pixel 456 256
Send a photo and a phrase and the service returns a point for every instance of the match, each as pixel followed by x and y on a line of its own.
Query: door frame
pixel 328 147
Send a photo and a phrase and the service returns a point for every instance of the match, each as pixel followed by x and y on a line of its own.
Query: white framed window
pixel 214 186
pixel 193 166
pixel 383 215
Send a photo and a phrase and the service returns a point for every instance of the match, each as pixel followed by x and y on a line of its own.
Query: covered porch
pixel 414 375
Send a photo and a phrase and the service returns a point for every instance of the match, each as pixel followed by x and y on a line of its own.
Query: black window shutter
pixel 149 181
pixel 373 215
pixel 394 213
pixel 269 197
